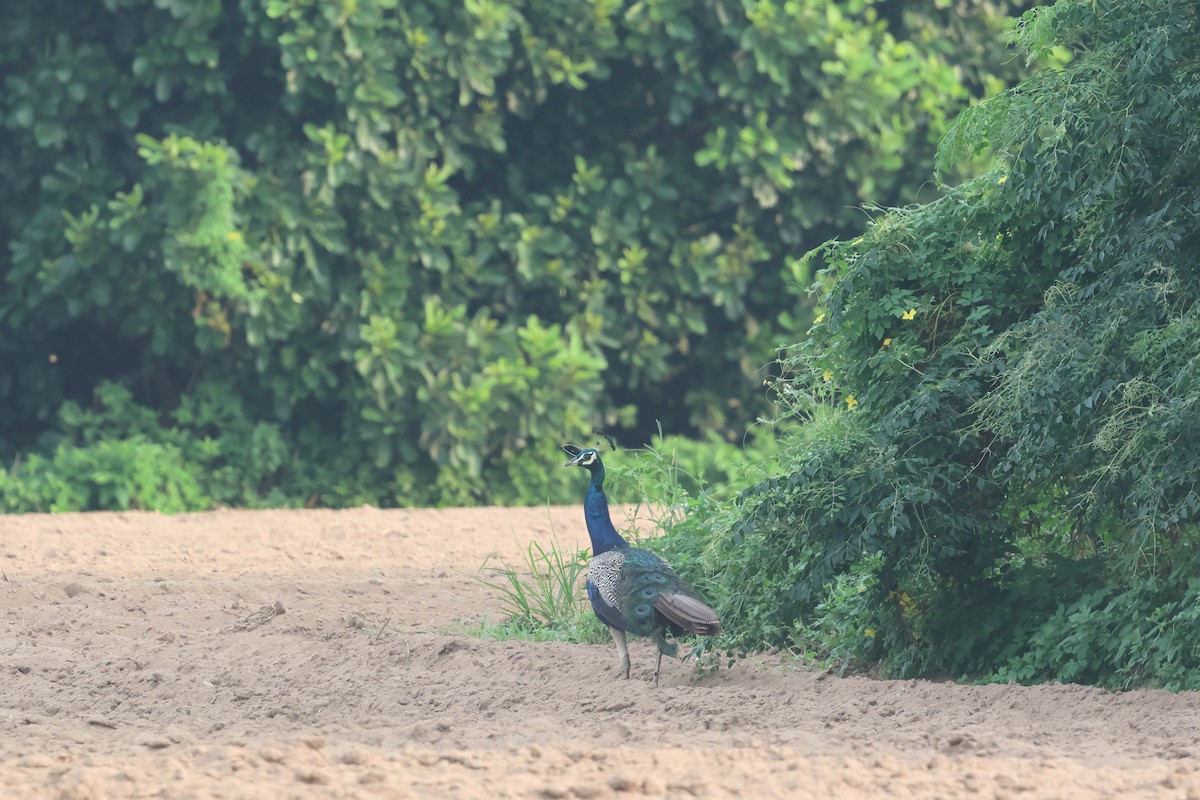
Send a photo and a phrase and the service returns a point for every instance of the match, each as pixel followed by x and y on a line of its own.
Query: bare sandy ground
pixel 311 654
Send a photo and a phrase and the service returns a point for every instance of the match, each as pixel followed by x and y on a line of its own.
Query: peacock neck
pixel 603 533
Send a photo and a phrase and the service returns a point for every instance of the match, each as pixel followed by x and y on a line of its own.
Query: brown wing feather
pixel 688 613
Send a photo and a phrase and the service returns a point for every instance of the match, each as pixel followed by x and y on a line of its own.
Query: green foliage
pixel 113 473
pixel 409 242
pixel 117 455
pixel 1001 475
pixel 1118 638
pixel 668 471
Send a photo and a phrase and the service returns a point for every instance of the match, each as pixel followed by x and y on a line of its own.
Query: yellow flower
pixel 234 236
pixel 910 314
pixel 886 342
pixel 1003 178
pixel 827 375
pixel 869 633
pixel 851 401
pixel 820 318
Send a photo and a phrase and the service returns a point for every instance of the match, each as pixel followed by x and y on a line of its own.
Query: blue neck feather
pixel 595 512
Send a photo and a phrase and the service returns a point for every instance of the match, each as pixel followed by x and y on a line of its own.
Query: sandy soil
pixel 311 654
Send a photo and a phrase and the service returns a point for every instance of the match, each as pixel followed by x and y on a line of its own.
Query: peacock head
pixel 582 457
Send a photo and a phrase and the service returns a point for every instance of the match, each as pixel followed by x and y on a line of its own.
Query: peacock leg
pixel 622 650
pixel 657 667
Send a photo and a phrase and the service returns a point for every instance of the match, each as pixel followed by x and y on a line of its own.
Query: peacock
pixel 633 590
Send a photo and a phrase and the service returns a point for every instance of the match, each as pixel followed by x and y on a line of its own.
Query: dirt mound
pixel 308 653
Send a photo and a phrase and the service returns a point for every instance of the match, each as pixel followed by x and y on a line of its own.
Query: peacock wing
pixel 608 592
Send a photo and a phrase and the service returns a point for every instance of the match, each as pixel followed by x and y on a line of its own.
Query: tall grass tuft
pixel 543 598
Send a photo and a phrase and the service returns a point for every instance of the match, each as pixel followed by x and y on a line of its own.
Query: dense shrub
pixel 1010 483
pixel 394 252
